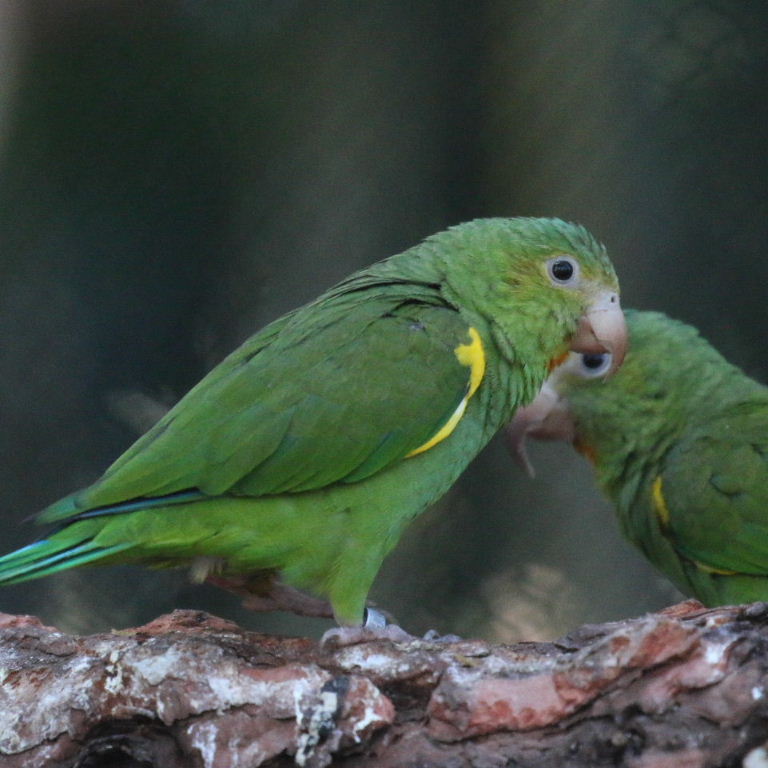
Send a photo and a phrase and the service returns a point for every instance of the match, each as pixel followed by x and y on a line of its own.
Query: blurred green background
pixel 173 175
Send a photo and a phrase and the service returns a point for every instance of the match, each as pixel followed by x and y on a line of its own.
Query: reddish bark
pixel 685 687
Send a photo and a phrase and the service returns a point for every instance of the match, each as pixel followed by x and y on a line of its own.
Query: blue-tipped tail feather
pixel 73 542
pixel 49 556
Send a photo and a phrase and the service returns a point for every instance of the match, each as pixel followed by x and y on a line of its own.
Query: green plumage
pixel 292 455
pixel 679 439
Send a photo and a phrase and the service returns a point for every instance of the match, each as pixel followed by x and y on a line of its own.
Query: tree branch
pixel 685 687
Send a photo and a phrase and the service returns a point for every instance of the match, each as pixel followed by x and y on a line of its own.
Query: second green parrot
pixel 296 463
pixel 679 441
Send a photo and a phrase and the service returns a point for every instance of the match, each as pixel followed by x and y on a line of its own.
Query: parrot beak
pixel 602 328
pixel 546 418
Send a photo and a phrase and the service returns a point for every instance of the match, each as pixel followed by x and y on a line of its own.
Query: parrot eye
pixel 595 365
pixel 563 270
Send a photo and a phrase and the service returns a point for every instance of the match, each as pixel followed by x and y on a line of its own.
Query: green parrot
pixel 295 464
pixel 679 442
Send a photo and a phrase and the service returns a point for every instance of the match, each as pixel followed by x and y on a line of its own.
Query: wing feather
pixel 333 392
pixel 715 486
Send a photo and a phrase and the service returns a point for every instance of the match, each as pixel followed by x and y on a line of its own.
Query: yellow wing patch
pixel 444 431
pixel 660 503
pixel 473 356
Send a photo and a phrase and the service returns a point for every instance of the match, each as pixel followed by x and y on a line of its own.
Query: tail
pixel 74 542
pixel 51 555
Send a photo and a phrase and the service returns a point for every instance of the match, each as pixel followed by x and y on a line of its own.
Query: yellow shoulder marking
pixel 473 356
pixel 660 503
pixel 444 431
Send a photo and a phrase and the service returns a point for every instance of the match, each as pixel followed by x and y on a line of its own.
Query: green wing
pixel 715 488
pixel 333 392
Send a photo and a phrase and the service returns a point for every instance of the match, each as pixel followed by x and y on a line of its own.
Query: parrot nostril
pixel 614 298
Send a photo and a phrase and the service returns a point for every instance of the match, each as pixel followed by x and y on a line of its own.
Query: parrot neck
pixel 523 333
pixel 629 455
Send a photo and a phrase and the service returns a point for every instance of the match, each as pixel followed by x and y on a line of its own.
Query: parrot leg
pixel 375 619
pixel 263 592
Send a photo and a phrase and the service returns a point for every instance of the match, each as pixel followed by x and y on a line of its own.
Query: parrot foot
pixel 375 627
pixel 262 592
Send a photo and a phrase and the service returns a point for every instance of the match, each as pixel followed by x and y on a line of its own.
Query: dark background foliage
pixel 176 173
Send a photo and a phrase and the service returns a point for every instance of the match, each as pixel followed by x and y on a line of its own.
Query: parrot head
pixel 636 412
pixel 551 416
pixel 543 283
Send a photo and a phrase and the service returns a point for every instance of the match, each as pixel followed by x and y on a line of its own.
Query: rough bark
pixel 685 687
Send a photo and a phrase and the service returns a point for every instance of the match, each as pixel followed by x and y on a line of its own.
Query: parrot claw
pixel 529 421
pixel 340 637
pixel 375 627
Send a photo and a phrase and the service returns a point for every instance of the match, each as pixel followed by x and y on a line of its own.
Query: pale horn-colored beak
pixel 602 328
